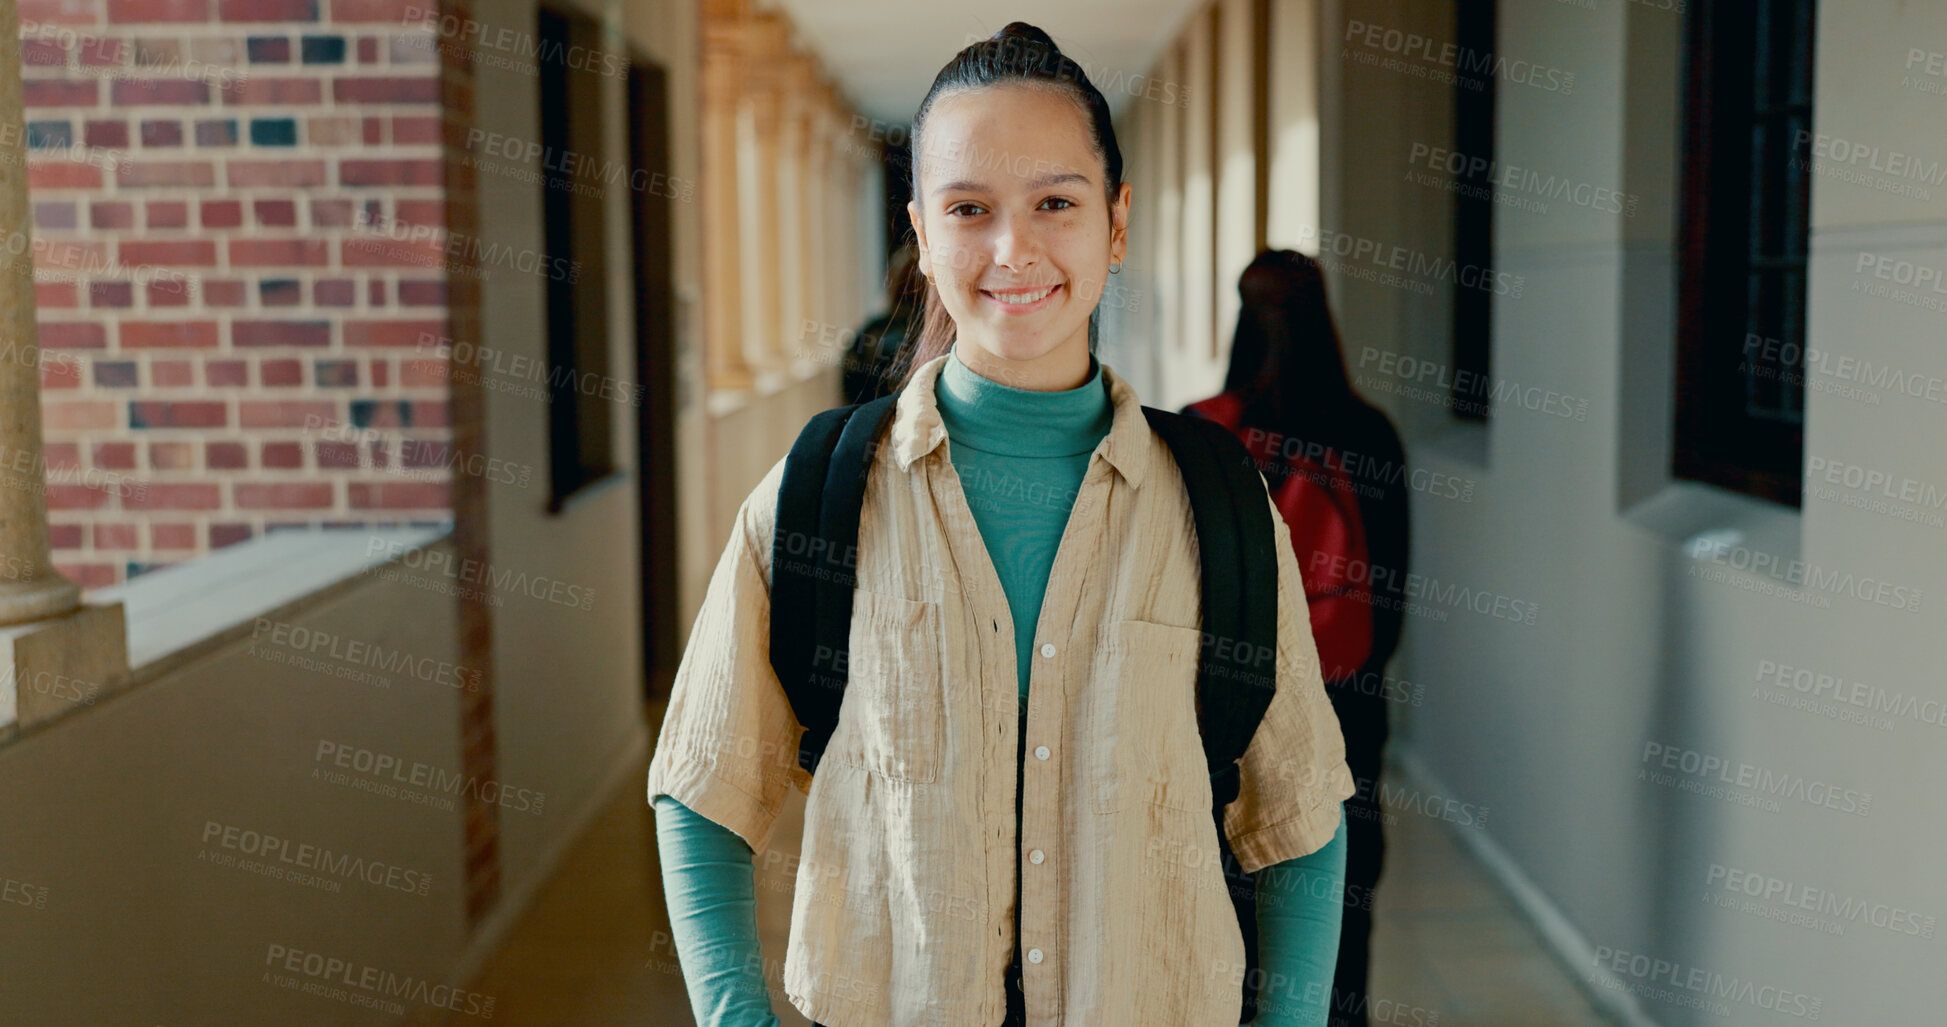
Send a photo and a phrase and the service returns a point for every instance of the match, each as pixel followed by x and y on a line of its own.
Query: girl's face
pixel 1015 231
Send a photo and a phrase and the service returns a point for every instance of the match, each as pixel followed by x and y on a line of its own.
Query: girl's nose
pixel 1018 246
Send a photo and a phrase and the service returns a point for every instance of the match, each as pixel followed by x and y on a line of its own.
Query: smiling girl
pixel 1012 820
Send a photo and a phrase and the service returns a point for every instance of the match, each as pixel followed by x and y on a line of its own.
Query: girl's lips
pixel 994 296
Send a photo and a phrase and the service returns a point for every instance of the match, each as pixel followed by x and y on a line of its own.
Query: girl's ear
pixel 1119 225
pixel 919 235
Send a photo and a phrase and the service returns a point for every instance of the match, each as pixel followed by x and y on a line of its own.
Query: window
pixel 1746 201
pixel 580 447
pixel 1473 309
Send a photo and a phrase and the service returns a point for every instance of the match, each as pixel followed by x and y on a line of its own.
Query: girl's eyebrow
pixel 968 185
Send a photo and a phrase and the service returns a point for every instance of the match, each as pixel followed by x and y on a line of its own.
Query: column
pixel 792 76
pixel 758 157
pixel 55 653
pixel 833 164
pixel 1235 168
pixel 1293 219
pixel 29 587
pixel 723 42
pixel 1198 326
pixel 1167 230
pixel 818 214
pixel 812 199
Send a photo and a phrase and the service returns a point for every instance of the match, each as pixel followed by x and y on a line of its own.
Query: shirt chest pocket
pixel 1144 721
pixel 892 720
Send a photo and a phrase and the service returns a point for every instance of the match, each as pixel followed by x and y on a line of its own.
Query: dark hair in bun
pixel 1018 53
pixel 1023 30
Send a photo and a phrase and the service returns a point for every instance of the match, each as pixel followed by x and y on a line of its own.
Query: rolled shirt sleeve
pixel 1293 775
pixel 728 744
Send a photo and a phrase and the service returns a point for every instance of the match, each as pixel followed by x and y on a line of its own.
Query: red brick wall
pixel 230 348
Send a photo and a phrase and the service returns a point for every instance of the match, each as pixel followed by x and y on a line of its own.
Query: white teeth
pixel 1024 298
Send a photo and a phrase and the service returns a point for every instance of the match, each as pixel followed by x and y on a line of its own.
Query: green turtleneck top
pixel 1021 456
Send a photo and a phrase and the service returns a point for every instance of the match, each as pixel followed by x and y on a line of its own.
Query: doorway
pixel 655 338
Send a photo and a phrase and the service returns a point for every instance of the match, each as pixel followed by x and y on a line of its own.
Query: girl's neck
pixel 996 418
pixel 1065 367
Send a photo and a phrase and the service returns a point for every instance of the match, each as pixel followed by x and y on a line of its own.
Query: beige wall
pixel 107 810
pixel 1372 117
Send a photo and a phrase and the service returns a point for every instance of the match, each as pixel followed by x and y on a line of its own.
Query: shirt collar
pixel 917 429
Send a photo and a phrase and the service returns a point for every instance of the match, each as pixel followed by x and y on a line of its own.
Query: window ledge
pixel 724 402
pixel 1691 517
pixel 180 613
pixel 587 491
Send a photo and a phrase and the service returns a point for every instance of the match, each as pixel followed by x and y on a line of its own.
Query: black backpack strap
pixel 1237 664
pixel 796 559
pixel 1251 675
pixel 814 563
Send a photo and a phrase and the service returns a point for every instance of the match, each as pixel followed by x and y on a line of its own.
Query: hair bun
pixel 1023 30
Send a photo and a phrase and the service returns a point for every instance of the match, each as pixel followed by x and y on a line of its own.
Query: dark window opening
pixel 1473 309
pixel 580 390
pixel 655 335
pixel 1746 204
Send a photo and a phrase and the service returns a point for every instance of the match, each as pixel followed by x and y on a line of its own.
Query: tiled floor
pixel 1448 940
pixel 595 948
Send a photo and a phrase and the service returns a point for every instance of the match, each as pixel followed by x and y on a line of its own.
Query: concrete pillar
pixel 818 270
pixel 723 45
pixel 29 587
pixel 55 653
pixel 765 257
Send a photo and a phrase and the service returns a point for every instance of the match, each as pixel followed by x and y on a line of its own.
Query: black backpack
pixel 814 567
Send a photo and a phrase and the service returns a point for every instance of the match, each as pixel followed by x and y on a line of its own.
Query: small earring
pixel 1115 269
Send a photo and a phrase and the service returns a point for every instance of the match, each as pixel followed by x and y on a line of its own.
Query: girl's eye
pixel 970 209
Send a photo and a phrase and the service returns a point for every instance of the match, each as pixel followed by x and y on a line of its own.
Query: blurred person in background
pixel 868 371
pixel 1335 466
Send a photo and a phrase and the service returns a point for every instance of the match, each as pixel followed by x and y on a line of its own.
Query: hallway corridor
pixel 384 384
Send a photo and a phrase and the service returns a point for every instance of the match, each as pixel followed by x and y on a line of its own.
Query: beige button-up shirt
pixel 903 907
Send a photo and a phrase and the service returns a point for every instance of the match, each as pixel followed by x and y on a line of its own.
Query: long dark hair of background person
pixel 1289 368
pixel 872 358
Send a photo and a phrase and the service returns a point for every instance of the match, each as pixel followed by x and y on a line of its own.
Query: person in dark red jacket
pixel 1289 399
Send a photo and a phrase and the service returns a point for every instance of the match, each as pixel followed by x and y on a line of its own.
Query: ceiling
pixel 885 53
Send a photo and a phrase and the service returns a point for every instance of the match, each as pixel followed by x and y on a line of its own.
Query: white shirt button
pixel 1047 649
pixel 1034 955
pixel 1036 857
pixel 1041 752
